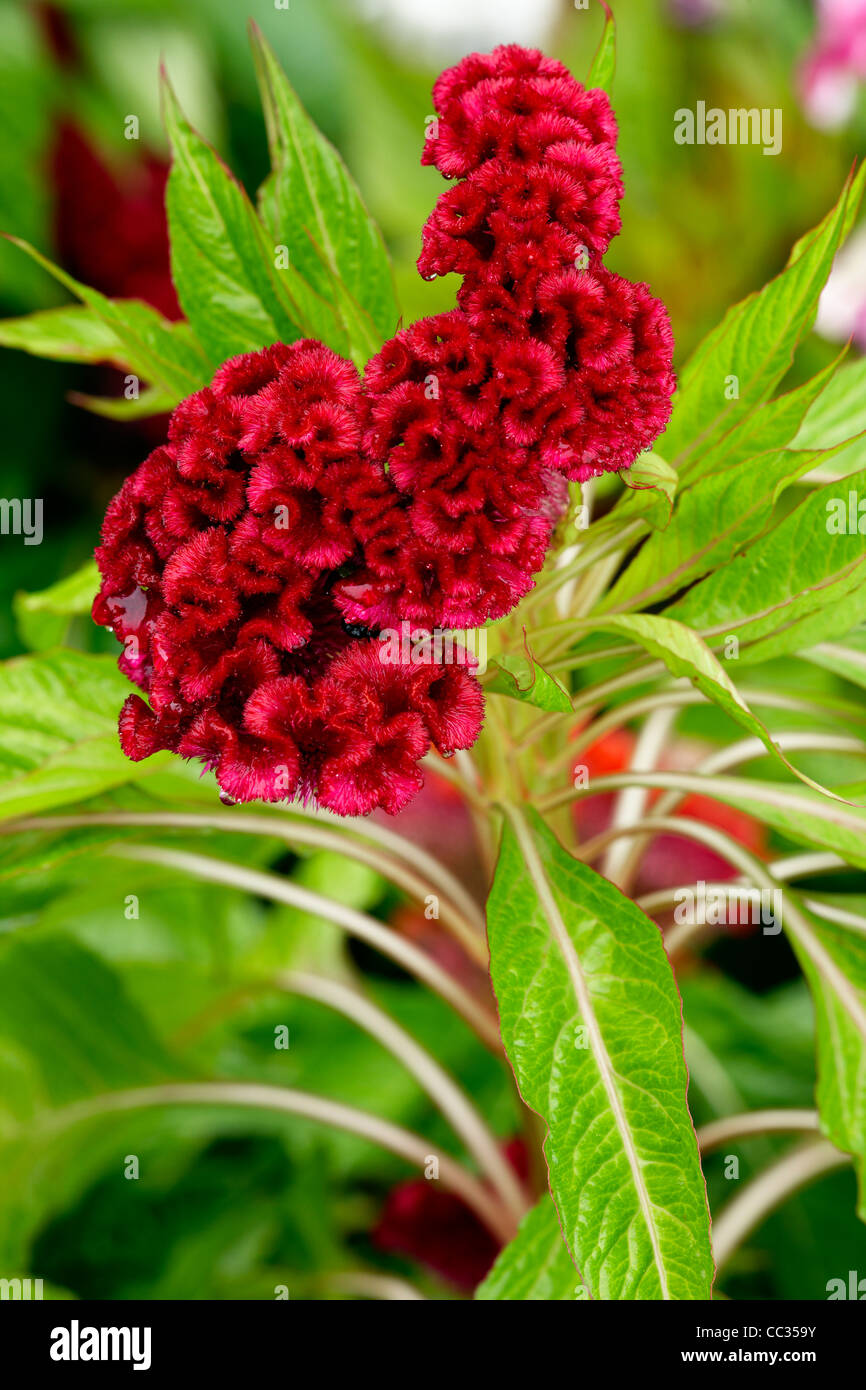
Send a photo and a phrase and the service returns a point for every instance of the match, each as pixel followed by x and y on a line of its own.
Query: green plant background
pixel 228 1206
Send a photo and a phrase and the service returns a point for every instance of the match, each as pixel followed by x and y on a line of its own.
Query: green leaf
pixel 58 731
pixel 837 415
pixel 521 678
pixel 535 1267
pixel 601 73
pixel 803 584
pixel 223 267
pixel 713 520
pixel 142 407
pixel 310 204
pixel 651 475
pixel 72 333
pixel 68 1031
pixel 771 427
pixel 840 411
pixel 591 1022
pixel 164 354
pixel 755 341
pixel 76 1020
pixel 43 617
pixel 834 963
pixel 685 653
pixel 846 659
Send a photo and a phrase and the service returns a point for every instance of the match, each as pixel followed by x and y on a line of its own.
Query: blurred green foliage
pixel 231 1204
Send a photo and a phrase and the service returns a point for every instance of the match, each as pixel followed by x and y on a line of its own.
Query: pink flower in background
pixel 835 64
pixel 842 306
pixel 694 14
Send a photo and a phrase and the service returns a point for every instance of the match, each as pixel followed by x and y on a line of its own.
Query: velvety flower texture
pixel 527 225
pixel 550 368
pixel 218 562
pixel 250 563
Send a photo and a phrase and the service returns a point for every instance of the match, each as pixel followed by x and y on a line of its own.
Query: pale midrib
pixel 830 971
pixel 584 1001
pixel 846 653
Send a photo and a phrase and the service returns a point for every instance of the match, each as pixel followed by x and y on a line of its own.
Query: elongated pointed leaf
pixel 805 583
pixel 772 426
pixel 58 731
pixel 743 359
pixel 591 1022
pixel 840 410
pixel 224 266
pixel 141 407
pixel 44 617
pixel 601 73
pixel 685 653
pixel 536 1266
pixel 72 333
pixel 839 414
pixel 311 204
pixel 713 520
pixel 164 354
pixel 833 959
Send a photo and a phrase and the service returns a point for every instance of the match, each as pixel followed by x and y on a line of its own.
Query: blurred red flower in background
pixel 439 1230
pixel 110 226
pixel 670 860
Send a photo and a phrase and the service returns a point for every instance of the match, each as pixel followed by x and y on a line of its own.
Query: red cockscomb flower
pixel 219 558
pixel 293 513
pixel 551 364
pixel 526 227
pixel 447 418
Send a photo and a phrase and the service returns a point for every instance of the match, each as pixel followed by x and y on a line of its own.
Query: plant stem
pixel 622 858
pixel 464 1119
pixel 468 933
pixel 411 1147
pixel 768 1191
pixel 366 1285
pixel 426 864
pixel 723 759
pixel 756 1122
pixel 356 923
pixel 675 699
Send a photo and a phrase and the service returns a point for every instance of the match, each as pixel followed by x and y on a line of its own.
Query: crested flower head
pixel 450 414
pixel 526 226
pixel 294 512
pixel 219 558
